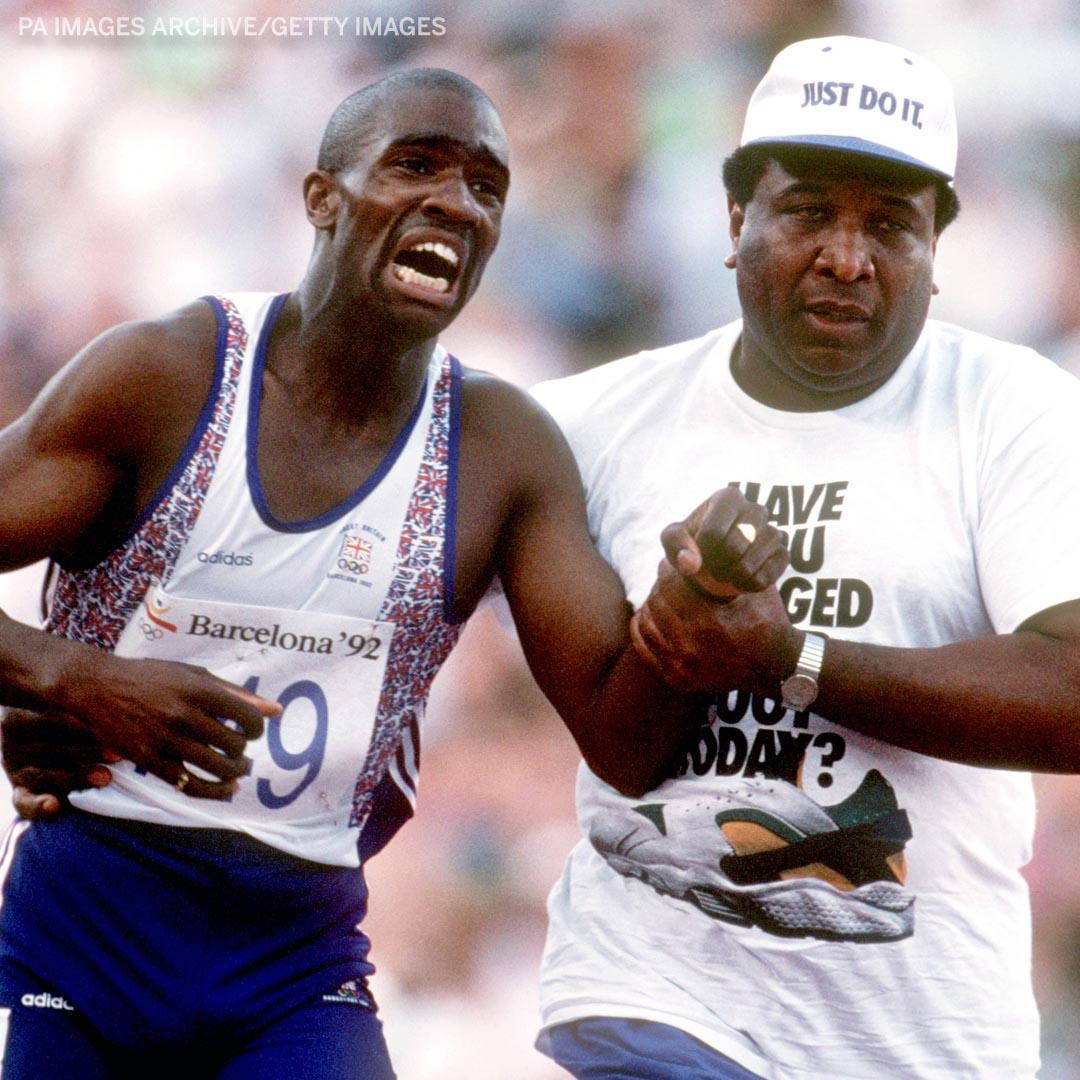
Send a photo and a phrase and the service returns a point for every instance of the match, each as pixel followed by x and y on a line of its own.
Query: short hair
pixel 353 120
pixel 744 168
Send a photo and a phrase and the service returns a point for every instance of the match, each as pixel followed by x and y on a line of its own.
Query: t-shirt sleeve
pixel 564 400
pixel 1027 541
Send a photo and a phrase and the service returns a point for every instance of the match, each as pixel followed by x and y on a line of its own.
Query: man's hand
pixel 713 621
pixel 699 644
pixel 47 756
pixel 161 715
pixel 727 546
pixel 165 716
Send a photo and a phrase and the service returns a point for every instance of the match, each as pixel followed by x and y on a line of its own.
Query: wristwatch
pixel 800 689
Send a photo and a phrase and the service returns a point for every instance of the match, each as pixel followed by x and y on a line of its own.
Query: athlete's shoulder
pixel 188 335
pixel 141 353
pixel 509 439
pixel 134 366
pixel 493 403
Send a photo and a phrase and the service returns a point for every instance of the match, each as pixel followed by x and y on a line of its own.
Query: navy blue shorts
pixel 616 1048
pixel 124 946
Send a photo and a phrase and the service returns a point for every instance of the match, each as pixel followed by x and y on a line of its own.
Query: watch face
pixel 799 691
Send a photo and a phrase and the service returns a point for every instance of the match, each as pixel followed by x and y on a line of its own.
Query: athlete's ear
pixel 322 200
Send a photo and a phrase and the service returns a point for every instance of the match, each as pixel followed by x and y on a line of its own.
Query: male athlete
pixel 829 885
pixel 305 495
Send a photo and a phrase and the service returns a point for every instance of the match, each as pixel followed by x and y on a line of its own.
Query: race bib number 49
pixel 327 673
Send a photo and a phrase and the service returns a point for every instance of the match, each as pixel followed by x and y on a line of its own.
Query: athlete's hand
pixel 699 644
pixel 727 546
pixel 166 717
pixel 47 756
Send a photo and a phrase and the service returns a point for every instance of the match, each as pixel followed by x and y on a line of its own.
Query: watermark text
pixel 229 26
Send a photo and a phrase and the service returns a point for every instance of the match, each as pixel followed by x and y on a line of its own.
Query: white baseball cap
pixel 857 95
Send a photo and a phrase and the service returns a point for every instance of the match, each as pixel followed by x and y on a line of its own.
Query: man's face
pixel 835 274
pixel 422 206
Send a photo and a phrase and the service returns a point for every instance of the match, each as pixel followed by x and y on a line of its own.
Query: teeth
pixel 436 248
pixel 414 277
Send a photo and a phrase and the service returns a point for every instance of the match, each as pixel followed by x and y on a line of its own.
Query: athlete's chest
pixel 307 462
pixel 315 523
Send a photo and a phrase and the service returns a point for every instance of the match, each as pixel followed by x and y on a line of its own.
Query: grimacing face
pixel 421 205
pixel 835 274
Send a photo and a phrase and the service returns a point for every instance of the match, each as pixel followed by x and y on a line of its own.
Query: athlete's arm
pixel 1005 701
pixel 74 472
pixel 568 604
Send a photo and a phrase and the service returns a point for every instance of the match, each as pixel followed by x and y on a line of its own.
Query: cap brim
pixel 849 145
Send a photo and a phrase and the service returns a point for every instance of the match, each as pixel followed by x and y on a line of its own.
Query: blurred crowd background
pixel 139 172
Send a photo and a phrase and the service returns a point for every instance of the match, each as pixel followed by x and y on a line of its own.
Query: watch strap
pixel 811 655
pixel 800 689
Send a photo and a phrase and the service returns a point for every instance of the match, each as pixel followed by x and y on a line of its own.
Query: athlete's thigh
pixel 46 1042
pixel 616 1048
pixel 316 1041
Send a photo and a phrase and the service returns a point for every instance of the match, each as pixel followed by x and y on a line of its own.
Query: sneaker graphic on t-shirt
pixel 763 853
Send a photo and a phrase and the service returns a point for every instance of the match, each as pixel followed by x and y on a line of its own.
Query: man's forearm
pixel 1007 701
pixel 636 726
pixel 33 665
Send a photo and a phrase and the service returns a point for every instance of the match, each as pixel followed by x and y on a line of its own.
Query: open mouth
pixel 429 264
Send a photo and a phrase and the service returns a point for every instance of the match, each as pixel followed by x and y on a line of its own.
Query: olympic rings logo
pixel 353 567
pixel 152 632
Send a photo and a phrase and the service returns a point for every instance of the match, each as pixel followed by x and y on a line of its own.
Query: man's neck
pixel 346 368
pixel 760 378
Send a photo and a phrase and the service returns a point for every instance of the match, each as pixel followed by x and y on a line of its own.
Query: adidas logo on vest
pixel 45 1001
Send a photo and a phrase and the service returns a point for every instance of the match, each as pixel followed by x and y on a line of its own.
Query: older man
pixel 829 885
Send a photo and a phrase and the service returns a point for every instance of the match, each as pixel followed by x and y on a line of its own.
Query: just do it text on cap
pixel 858 95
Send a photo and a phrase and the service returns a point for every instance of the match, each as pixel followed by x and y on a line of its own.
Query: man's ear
pixel 322 200
pixel 735 224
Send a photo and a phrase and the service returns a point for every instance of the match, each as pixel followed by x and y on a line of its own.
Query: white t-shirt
pixel 944 506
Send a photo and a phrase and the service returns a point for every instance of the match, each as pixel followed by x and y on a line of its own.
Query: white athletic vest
pixel 343 618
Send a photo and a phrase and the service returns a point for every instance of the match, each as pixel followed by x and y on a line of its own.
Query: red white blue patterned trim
pixel 415 603
pixel 93 605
